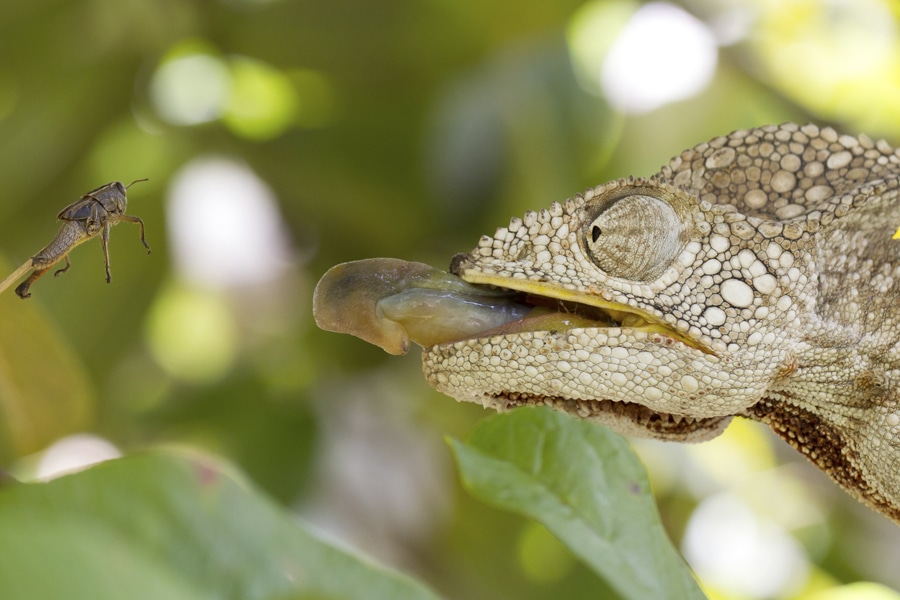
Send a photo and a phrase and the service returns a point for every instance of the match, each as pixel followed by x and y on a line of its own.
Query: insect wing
pixel 77 211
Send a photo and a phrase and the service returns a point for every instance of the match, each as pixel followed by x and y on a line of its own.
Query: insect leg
pixel 64 269
pixel 22 290
pixel 104 241
pixel 137 220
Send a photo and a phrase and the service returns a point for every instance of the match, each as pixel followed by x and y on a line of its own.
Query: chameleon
pixel 753 276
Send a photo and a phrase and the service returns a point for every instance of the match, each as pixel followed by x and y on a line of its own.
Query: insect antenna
pixel 135 181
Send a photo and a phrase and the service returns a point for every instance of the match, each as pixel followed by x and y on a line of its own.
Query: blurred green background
pixel 281 137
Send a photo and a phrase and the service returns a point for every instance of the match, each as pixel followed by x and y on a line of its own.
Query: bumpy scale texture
pixel 753 276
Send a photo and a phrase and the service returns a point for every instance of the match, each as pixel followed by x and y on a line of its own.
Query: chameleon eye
pixel 635 237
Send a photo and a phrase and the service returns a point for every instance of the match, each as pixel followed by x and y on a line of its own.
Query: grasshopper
pixel 95 213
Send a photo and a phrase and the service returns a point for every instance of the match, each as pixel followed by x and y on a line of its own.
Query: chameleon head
pixel 686 297
pixel 753 276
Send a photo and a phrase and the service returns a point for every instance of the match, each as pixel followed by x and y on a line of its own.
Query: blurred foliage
pixel 168 525
pixel 599 504
pixel 403 129
pixel 44 392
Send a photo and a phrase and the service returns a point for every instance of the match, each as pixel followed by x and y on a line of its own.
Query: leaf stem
pixel 15 275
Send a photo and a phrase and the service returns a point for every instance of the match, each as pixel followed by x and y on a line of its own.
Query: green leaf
pixel 584 483
pixel 44 391
pixel 162 525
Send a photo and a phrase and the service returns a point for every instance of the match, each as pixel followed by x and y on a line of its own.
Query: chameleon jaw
pixel 560 313
pixel 622 415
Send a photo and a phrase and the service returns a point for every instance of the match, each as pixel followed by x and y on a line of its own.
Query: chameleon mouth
pixel 558 309
pixel 390 302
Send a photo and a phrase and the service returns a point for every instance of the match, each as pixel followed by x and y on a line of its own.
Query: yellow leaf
pixel 44 390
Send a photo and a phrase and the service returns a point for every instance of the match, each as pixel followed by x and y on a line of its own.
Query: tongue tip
pixel 393 338
pixel 359 321
pixel 390 303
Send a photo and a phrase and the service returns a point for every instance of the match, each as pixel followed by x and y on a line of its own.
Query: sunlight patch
pixel 225 225
pixel 661 55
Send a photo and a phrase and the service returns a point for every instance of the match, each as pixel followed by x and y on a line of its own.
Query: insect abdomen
pixel 70 235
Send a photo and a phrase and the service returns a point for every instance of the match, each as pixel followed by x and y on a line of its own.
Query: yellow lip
pixel 628 317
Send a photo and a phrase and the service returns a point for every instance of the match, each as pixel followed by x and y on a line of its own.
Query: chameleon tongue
pixel 388 302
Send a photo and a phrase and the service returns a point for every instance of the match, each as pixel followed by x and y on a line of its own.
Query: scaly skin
pixel 753 276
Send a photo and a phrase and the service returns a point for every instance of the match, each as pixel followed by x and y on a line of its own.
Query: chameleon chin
pixel 754 276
